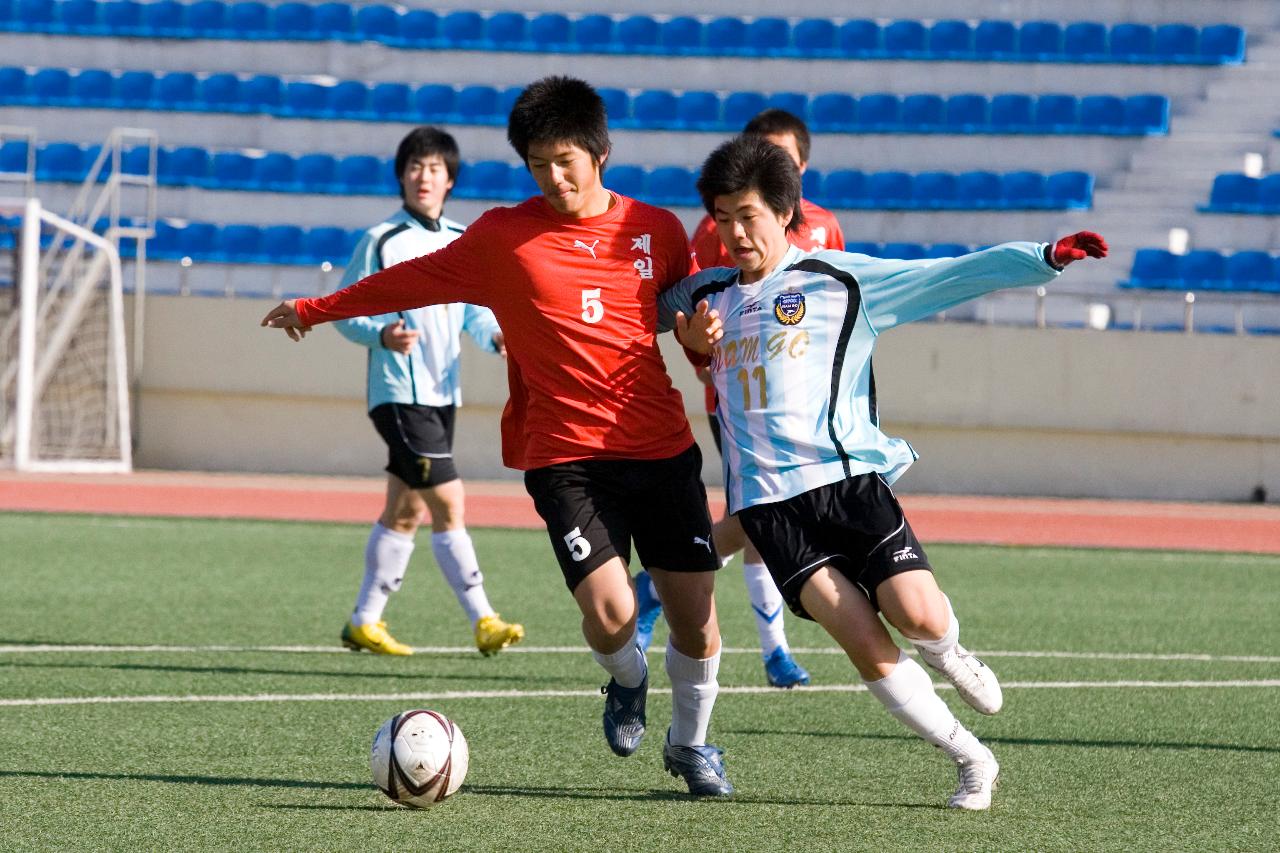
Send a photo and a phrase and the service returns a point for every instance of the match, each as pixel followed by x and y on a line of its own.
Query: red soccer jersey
pixel 577 303
pixel 821 230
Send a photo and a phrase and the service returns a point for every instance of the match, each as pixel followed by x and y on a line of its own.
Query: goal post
pixel 64 383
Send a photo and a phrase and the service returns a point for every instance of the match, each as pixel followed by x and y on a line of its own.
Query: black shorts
pixel 594 508
pixel 419 442
pixel 856 526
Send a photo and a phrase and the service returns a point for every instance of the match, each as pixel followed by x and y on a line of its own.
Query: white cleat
pixel 973 679
pixel 978 778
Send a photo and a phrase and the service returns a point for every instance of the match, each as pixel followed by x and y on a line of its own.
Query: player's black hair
pixel 753 163
pixel 423 142
pixel 776 122
pixel 559 109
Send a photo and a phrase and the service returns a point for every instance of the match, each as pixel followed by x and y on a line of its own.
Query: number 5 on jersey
pixel 592 307
pixel 579 547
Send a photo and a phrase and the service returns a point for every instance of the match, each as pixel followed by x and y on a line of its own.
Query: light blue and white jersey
pixel 429 374
pixel 796 394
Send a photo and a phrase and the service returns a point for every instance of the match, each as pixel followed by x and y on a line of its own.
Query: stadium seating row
pixel 1236 193
pixel 1204 269
pixel 491 179
pixel 650 109
pixel 1029 41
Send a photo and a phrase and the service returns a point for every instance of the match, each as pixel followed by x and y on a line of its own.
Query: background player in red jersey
pixel 820 230
pixel 573 277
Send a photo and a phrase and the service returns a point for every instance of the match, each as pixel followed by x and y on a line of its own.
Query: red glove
pixel 1077 247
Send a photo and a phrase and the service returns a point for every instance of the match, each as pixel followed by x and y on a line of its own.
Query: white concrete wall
pixel 992 410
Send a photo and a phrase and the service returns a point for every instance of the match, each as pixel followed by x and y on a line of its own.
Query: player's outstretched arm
pixel 285 316
pixel 1077 247
pixel 701 331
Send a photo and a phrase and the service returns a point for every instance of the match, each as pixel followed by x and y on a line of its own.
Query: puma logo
pixel 591 249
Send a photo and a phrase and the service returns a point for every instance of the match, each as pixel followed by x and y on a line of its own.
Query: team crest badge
pixel 789 308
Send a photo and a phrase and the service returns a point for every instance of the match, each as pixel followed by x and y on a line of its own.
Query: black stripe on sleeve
pixel 382 241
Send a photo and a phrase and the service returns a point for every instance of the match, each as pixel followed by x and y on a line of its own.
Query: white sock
pixel 627 665
pixel 908 694
pixel 386 556
pixel 457 559
pixel 693 695
pixel 947 641
pixel 767 603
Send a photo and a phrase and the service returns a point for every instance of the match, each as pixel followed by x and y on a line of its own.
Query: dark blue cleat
pixel 782 670
pixel 624 715
pixel 701 767
pixel 650 608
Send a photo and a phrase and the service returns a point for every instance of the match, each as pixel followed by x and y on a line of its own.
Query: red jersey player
pixel 573 277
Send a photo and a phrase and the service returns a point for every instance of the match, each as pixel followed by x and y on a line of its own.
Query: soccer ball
pixel 419 758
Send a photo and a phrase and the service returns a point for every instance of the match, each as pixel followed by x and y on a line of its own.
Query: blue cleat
pixel 701 767
pixel 782 670
pixel 624 715
pixel 650 608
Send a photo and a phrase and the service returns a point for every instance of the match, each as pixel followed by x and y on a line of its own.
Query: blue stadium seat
pixel 830 111
pixel 34 15
pixel 654 108
pixel 232 170
pixel 434 101
pixel 487 179
pixel 1269 193
pixel 698 110
pixel 902 251
pixel 844 188
pixel 122 17
pixel 325 243
pixel 166 19
pixel 462 29
pixel 507 99
pixel 741 107
pixel 726 35
pixel 923 112
pixel 859 37
pixel 188 165
pixel 550 30
pixel 1222 43
pixel 863 248
pixel 814 37
pixel 1085 41
pixel 199 240
pixel 13 156
pixel 1175 43
pixel 966 113
pixel 249 19
pixel 77 17
pixel 593 33
pixel 638 32
pixel 673 185
pixel 796 103
pixel 879 112
pixel 207 17
pixel 1057 113
pixel 1204 269
pixel 348 99
pixel 282 244
pixel 306 99
pixel 811 183
pixel 626 180
pixel 377 23
pixel 617 103
pixel 60 161
pixel 316 172
pixel 768 36
pixel 994 40
pixel 1102 114
pixel 950 39
pixel 1069 190
pixel 361 174
pixel 93 87
pixel 293 20
pixel 904 38
pixel 890 189
pixel 1022 189
pixel 177 91
pixel 946 250
pixel 419 28
pixel 979 190
pixel 1040 40
pixel 165 244
pixel 239 243
pixel 14 85
pixel 1235 193
pixel 389 101
pixel 506 30
pixel 334 21
pixel 135 89
pixel 1146 114
pixel 1132 42
pixel 262 93
pixel 478 104
pixel 1155 268
pixel 51 87
pixel 1251 271
pixel 934 190
pixel 681 35
pixel 274 172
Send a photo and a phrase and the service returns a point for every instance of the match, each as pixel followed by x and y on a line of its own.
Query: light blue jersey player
pixel 789 335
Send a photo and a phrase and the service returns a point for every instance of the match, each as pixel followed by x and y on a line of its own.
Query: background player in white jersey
pixel 413 390
pixel 790 336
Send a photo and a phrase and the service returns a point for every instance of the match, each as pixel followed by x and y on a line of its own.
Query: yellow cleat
pixel 493 635
pixel 373 637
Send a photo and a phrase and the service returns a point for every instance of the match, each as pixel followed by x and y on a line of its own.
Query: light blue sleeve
pixel 897 292
pixel 366 331
pixel 481 325
pixel 679 297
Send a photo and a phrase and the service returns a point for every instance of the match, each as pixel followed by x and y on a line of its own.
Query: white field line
pixel 578 650
pixel 447 695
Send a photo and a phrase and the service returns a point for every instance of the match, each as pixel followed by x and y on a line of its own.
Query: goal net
pixel 64 403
